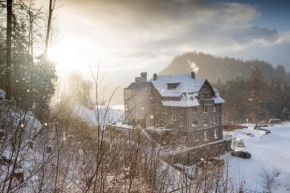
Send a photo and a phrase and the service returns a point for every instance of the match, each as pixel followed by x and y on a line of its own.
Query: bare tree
pixel 8 48
pixel 49 21
pixel 33 16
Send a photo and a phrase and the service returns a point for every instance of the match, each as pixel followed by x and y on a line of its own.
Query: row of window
pixel 206 135
pixel 195 123
pixel 171 98
pixel 173 109
pixel 205 109
pixel 205 122
pixel 194 109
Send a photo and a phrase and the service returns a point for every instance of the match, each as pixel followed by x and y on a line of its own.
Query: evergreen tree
pixel 30 79
pixel 285 114
pixel 43 78
pixel 257 91
pixel 223 68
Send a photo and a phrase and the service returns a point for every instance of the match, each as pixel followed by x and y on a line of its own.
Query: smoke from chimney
pixel 193 67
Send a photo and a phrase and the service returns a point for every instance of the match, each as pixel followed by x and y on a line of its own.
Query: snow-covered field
pixel 268 151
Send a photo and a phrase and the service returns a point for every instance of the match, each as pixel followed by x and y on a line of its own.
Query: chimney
pixel 144 76
pixel 154 76
pixel 193 74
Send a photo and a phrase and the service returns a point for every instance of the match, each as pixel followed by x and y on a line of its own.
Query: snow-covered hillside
pixel 19 161
pixel 268 151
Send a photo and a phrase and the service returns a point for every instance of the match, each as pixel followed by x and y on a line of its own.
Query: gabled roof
pixel 187 84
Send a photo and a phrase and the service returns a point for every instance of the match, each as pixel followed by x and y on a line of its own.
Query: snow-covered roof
pixel 187 84
pixel 271 121
pixel 187 89
pixel 217 99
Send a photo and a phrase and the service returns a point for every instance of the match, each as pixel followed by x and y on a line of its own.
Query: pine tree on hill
pixel 214 68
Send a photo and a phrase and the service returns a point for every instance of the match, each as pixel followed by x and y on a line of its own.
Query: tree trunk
pixel 50 11
pixel 8 49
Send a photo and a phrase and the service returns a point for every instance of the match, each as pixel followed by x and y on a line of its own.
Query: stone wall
pixel 137 99
pixel 194 155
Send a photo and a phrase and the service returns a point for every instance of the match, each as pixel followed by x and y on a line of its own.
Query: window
pixel 194 109
pixel 215 133
pixel 205 122
pixel 205 96
pixel 181 124
pixel 214 109
pixel 173 117
pixel 205 136
pixel 172 86
pixel 205 109
pixel 215 120
pixel 194 124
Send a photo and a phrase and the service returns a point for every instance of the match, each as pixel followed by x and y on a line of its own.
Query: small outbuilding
pixel 274 121
pixel 240 144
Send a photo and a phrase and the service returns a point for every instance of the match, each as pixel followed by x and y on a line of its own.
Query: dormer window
pixel 172 86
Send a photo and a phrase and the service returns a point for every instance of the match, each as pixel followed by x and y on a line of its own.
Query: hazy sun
pixel 66 56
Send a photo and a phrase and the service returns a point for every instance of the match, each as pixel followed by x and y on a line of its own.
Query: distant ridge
pixel 216 68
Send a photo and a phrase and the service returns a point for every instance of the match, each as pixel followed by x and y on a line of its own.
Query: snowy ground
pixel 268 151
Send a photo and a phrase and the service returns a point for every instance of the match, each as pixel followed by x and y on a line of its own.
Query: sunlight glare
pixel 66 56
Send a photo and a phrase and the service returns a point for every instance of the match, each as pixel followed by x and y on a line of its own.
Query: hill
pixel 216 68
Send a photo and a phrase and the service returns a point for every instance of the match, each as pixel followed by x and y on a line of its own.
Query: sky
pixel 126 37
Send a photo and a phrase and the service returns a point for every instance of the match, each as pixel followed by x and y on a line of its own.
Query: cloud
pixel 147 34
pixel 252 33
